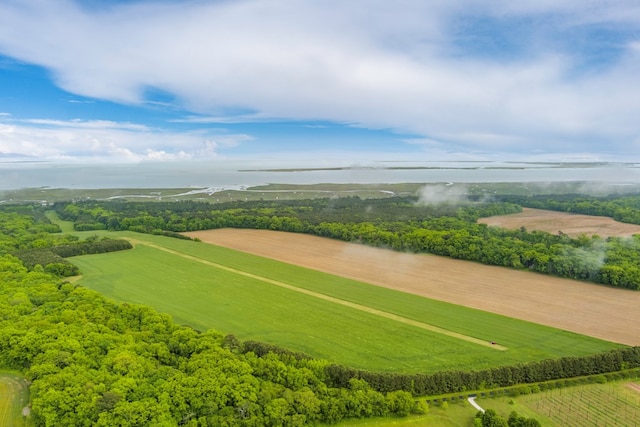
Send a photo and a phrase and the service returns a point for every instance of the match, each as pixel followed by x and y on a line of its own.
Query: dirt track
pixel 571 224
pixel 584 308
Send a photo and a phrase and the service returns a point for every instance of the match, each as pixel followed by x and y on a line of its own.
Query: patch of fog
pixel 378 256
pixel 600 188
pixel 436 194
pixel 591 258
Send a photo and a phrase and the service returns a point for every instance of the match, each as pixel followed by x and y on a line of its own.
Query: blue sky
pixel 331 82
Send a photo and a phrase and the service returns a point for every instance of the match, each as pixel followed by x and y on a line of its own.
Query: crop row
pixel 590 406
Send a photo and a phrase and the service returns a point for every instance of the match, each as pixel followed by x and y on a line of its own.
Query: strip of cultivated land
pixel 257 298
pixel 572 224
pixel 584 308
pixel 339 301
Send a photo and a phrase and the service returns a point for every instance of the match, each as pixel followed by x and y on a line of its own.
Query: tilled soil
pixel 570 224
pixel 589 309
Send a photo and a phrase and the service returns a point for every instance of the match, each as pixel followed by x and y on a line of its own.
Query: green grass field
pixel 209 287
pixel 14 396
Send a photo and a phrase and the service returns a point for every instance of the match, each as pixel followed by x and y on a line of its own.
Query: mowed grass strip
pixel 207 297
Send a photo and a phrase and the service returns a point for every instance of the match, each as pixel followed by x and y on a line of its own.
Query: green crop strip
pixel 360 307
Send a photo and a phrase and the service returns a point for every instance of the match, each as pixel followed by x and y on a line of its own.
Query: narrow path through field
pixel 355 306
pixel 473 402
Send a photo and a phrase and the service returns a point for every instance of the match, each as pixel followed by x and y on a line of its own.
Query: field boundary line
pixel 356 306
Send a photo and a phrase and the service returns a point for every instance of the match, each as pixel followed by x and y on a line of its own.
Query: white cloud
pixel 102 140
pixel 373 63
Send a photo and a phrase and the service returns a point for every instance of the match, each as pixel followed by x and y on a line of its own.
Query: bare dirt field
pixel 571 224
pixel 589 309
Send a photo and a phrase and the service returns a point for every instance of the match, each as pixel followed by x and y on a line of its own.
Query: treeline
pixel 447 382
pixel 621 208
pixel 459 381
pixel 296 214
pixel 397 223
pixel 52 259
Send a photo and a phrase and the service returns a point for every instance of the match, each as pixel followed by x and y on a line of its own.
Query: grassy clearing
pixel 65 226
pixel 14 396
pixel 205 297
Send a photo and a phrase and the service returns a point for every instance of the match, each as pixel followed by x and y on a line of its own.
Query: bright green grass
pixel 207 297
pixel 456 415
pixel 65 226
pixel 14 396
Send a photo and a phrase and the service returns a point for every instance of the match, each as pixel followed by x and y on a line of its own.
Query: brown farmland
pixel 571 224
pixel 588 309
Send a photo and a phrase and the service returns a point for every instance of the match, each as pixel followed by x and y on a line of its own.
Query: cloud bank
pixel 526 77
pixel 96 140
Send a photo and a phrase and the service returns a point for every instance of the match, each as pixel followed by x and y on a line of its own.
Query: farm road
pixel 349 304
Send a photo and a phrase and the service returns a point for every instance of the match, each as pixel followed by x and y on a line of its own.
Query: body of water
pixel 202 174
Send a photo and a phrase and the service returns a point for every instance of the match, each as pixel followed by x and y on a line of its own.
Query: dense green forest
pixel 399 223
pixel 91 361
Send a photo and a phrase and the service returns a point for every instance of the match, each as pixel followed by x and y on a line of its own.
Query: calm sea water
pixel 202 174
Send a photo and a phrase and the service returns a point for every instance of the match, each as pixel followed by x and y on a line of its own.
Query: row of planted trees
pixel 459 381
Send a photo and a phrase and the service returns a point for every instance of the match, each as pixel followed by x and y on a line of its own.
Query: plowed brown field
pixel 598 311
pixel 571 224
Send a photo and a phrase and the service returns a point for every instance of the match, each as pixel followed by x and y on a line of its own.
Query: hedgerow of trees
pixel 399 223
